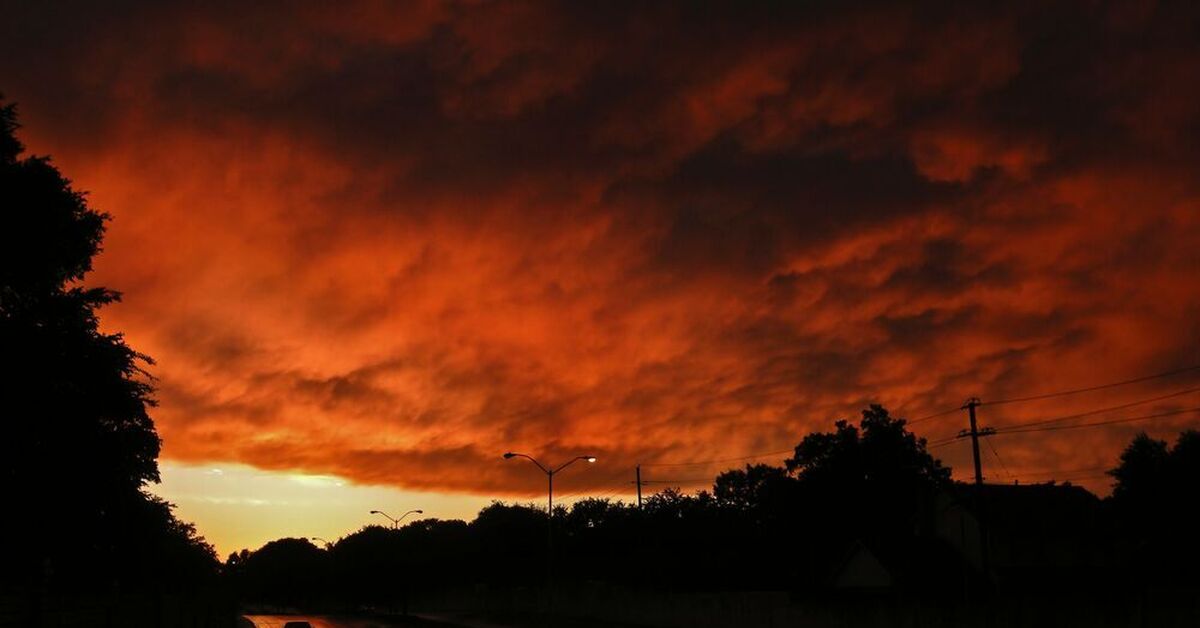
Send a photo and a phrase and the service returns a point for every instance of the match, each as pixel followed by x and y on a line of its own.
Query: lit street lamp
pixel 549 503
pixel 550 474
pixel 396 522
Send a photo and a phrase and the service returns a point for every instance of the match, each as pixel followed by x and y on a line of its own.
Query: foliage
pixel 1154 497
pixel 760 527
pixel 79 444
pixel 286 572
pixel 880 450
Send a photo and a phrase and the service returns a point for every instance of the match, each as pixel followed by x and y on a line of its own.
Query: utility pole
pixel 975 433
pixel 550 526
pixel 971 404
pixel 638 481
pixel 980 506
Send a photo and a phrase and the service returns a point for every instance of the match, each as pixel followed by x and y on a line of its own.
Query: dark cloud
pixel 388 240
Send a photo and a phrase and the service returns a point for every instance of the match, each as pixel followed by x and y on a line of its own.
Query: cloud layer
pixel 391 241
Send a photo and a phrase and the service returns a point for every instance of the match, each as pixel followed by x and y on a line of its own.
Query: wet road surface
pixel 318 621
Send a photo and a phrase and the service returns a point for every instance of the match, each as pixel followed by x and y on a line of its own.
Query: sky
pixel 371 246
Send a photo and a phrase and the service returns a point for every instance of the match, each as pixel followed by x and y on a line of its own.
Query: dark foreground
pixel 316 621
pixel 339 621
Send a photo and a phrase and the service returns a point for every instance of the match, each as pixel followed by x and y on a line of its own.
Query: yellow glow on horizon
pixel 237 506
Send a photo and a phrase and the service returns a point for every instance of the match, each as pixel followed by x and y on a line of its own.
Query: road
pixel 321 621
pixel 431 620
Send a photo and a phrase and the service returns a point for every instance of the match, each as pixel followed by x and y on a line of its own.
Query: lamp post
pixel 549 501
pixel 396 522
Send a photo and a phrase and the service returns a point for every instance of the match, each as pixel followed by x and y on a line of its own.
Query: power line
pixel 608 495
pixel 616 491
pixel 1043 473
pixel 1031 426
pixel 1075 391
pixel 1103 410
pixel 942 443
pixel 773 453
pixel 1079 479
pixel 1065 478
pixel 1060 393
pixel 1052 428
pixel 718 460
pixel 1019 428
pixel 1046 480
pixel 998 459
pixel 932 416
pixel 587 489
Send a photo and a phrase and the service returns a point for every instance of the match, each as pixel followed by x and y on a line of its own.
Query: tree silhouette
pixel 866 481
pixel 1154 500
pixel 287 572
pixel 1141 475
pixel 880 450
pixel 750 488
pixel 765 528
pixel 79 444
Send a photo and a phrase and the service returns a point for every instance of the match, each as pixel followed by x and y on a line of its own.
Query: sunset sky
pixel 371 246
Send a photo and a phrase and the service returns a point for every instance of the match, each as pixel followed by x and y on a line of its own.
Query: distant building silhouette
pixel 1037 535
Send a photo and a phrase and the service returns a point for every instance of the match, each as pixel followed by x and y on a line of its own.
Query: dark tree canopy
pixel 763 528
pixel 879 450
pixel 1156 490
pixel 1145 466
pixel 747 488
pixel 871 479
pixel 79 443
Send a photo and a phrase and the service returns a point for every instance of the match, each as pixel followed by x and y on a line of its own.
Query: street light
pixel 549 504
pixel 396 522
pixel 549 474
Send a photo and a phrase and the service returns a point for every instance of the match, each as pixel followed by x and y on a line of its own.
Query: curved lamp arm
pixel 389 517
pixel 511 455
pixel 573 461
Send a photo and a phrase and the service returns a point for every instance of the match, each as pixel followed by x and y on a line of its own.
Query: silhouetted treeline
pixel 1155 507
pixel 78 445
pixel 866 494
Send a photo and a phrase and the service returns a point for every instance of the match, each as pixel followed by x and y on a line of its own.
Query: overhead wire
pixel 995 453
pixel 1103 410
pixel 1036 426
pixel 1045 476
pixel 692 463
pixel 1061 393
pixel 1010 428
pixel 932 416
pixel 1053 428
pixel 941 443
pixel 581 492
pixel 614 493
pixel 1075 391
pixel 1045 472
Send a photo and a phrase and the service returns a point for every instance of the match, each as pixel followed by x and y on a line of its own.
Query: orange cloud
pixel 390 246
